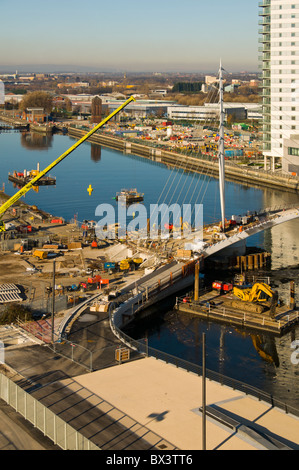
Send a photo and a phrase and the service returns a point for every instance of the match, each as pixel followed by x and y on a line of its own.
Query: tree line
pixel 187 87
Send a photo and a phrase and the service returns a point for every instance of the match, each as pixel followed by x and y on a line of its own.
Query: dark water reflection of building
pixel 96 152
pixel 36 141
pixel 282 241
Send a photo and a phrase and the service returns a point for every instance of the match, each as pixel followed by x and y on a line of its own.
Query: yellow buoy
pixel 89 189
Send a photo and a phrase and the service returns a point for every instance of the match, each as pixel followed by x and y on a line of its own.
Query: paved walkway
pixel 166 400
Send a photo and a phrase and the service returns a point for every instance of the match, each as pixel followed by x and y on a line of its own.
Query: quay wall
pixel 188 163
pixel 233 172
pixel 13 121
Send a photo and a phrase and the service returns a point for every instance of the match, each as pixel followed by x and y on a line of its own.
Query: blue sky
pixel 156 35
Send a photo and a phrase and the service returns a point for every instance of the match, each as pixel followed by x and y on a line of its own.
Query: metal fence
pixel 44 305
pixel 8 244
pixel 221 379
pixel 75 352
pixel 61 433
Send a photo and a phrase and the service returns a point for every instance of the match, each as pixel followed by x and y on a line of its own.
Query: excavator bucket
pixel 274 303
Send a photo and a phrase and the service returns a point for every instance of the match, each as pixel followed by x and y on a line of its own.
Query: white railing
pixel 61 433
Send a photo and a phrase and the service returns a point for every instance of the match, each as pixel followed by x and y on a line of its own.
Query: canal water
pixel 263 361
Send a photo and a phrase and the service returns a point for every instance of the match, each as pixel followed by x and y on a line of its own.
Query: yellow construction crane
pixel 42 173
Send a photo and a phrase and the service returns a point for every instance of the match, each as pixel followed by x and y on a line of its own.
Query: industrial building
pixel 141 108
pixel 206 113
pixel 136 110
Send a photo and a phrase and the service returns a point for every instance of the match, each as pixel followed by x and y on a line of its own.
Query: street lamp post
pixel 53 302
pixel 204 391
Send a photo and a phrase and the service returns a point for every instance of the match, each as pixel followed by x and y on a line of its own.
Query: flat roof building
pixel 141 108
pixel 208 112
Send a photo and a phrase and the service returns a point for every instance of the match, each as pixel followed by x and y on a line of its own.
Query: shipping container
pixel 109 265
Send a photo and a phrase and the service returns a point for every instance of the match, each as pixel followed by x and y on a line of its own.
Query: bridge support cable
pixel 221 149
pixel 207 175
pixel 180 167
pixel 185 172
pixel 190 170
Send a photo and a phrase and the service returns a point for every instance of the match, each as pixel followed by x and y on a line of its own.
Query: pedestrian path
pixel 167 400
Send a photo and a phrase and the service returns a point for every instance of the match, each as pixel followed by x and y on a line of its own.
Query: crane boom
pixel 4 207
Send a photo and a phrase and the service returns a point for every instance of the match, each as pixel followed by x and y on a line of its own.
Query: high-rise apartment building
pixel 279 45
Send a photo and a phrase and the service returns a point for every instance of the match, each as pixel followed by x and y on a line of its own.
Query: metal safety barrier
pixel 61 433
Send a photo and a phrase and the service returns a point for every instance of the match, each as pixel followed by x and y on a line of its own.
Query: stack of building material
pixel 9 293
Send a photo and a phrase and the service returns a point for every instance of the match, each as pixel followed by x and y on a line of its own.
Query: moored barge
pixel 129 196
pixel 21 179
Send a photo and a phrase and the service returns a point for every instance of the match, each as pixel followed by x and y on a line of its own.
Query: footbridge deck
pixel 269 220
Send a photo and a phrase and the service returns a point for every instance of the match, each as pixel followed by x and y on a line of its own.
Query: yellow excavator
pixel 259 292
pixel 37 177
pixel 257 299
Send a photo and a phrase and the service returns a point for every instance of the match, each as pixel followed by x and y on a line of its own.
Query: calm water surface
pixel 260 360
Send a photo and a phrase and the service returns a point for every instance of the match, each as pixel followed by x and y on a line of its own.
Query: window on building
pixel 293 151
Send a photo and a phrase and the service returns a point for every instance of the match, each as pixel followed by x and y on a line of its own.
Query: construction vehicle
pixel 256 299
pixel 124 265
pixel 32 183
pixel 222 286
pixel 94 280
pixel 40 254
pixel 259 292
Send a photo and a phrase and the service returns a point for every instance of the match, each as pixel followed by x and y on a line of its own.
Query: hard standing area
pixel 166 400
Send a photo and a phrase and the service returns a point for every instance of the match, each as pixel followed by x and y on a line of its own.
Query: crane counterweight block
pixel 4 207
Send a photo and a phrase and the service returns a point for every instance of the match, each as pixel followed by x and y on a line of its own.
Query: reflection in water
pixel 266 348
pixel 36 141
pixel 96 152
pixel 260 360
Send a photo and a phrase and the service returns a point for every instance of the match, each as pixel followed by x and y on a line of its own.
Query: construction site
pixel 57 274
pixel 36 239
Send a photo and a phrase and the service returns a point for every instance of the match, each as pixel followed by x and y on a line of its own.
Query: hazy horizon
pixel 169 36
pixel 53 68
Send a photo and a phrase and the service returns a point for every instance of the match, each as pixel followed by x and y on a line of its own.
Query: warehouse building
pixel 208 112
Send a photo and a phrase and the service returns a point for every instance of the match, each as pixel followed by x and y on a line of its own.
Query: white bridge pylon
pixel 269 221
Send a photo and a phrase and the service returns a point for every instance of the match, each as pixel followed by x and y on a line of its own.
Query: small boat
pixel 129 195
